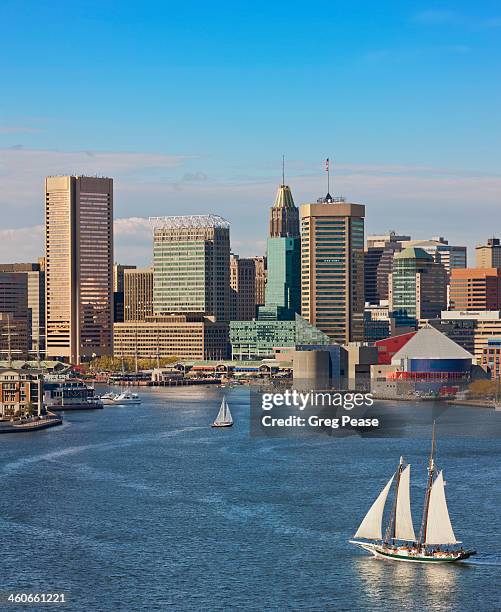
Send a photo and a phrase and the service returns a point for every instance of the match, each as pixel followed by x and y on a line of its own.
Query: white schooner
pixel 436 542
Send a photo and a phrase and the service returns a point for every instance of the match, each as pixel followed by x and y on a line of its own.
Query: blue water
pixel 148 508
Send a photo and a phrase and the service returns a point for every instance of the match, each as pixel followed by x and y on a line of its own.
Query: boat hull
pixel 380 552
pixel 222 425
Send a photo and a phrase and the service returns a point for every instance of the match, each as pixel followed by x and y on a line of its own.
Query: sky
pixel 190 106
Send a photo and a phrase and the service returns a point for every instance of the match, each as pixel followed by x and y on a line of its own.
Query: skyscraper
pixel 138 293
pixel 243 288
pixel 261 274
pixel 79 266
pixel 418 287
pixel 118 291
pixel 191 260
pixel 283 286
pixel 332 268
pixel 378 263
pixel 475 289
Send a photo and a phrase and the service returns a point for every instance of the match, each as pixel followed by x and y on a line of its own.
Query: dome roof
pixel 413 253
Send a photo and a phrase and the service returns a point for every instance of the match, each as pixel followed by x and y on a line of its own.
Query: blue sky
pixel 190 106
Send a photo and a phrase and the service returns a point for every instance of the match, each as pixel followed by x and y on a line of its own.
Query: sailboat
pixel 436 542
pixel 224 418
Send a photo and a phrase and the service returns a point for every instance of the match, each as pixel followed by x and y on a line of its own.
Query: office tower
pixel 79 266
pixel 378 264
pixel 332 268
pixel 284 215
pixel 118 291
pixel 191 256
pixel 14 317
pixel 283 285
pixel 489 255
pixel 418 287
pixel 449 256
pixel 35 277
pixel 243 288
pixel 138 293
pixel 261 273
pixel 475 289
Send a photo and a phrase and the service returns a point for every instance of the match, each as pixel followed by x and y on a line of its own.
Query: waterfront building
pixel 418 287
pixel 14 315
pixel 475 289
pixel 243 288
pixel 118 291
pixel 258 339
pixel 190 337
pixel 79 267
pixel 489 255
pixel 283 254
pixel 138 293
pixel 21 392
pixel 332 268
pixel 191 256
pixel 35 304
pixel 491 357
pixel 487 326
pixel 261 274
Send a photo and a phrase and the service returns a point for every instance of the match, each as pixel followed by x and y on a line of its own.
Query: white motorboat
pixel 127 397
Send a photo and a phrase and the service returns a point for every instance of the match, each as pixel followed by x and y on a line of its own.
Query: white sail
pixel 224 415
pixel 370 527
pixel 404 529
pixel 438 526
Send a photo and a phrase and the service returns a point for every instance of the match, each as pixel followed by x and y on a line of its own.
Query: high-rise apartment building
pixel 79 266
pixel 489 255
pixel 35 277
pixel 332 268
pixel 191 260
pixel 283 284
pixel 418 287
pixel 138 293
pixel 243 288
pixel 475 289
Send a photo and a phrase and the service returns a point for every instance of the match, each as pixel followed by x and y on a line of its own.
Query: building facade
pixel 283 254
pixel 138 294
pixel 332 268
pixel 118 291
pixel 491 357
pixel 448 255
pixel 35 276
pixel 79 267
pixel 378 264
pixel 243 288
pixel 191 256
pixel 261 275
pixel 489 255
pixel 475 289
pixel 21 392
pixel 187 337
pixel 418 287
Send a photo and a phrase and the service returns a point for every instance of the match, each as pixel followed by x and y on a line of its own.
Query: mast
pixel 431 469
pixel 391 529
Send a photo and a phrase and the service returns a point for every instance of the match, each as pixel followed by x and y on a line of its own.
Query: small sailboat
pixel 436 542
pixel 224 418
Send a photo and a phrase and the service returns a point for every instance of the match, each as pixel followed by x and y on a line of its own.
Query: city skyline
pixel 422 154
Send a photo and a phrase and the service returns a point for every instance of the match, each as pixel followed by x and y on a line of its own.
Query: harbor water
pixel 149 508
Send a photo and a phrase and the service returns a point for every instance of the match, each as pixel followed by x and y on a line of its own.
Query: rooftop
pixel 189 222
pixel 429 343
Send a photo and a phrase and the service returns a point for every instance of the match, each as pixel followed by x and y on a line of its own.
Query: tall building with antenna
pixel 283 288
pixel 332 266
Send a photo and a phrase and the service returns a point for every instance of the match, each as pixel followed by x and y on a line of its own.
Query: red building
pixel 389 346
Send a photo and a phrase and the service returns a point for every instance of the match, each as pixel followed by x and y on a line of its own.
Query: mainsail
pixel 224 415
pixel 438 526
pixel 370 527
pixel 404 529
